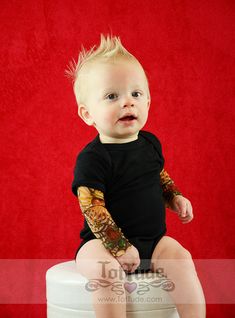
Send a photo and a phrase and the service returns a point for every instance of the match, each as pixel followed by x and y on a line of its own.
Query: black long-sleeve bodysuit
pixel 129 176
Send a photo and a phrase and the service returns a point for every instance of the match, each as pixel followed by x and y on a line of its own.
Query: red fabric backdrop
pixel 188 50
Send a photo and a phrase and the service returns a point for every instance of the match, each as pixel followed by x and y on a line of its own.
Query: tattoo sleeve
pixel 169 188
pixel 92 205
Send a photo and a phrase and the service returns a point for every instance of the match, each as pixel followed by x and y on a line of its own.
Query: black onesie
pixel 129 176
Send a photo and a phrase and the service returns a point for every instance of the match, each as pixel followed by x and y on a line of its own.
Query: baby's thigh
pixel 170 252
pixel 94 261
pixel 169 248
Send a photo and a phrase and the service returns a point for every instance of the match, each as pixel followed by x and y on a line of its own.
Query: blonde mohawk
pixel 110 47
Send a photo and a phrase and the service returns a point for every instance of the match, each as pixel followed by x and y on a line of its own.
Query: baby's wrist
pixel 119 251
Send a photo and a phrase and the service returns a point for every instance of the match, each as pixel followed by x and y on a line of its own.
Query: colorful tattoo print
pixel 100 221
pixel 169 188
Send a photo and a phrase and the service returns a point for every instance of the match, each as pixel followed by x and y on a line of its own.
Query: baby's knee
pixel 182 253
pixel 183 260
pixel 111 270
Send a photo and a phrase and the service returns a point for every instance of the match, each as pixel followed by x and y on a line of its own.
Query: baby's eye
pixel 136 94
pixel 111 96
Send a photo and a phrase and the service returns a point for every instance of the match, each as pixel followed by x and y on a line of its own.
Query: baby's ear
pixel 85 115
pixel 149 102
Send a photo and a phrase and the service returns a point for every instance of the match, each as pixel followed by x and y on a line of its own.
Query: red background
pixel 188 50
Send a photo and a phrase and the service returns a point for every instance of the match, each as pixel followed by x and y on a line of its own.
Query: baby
pixel 121 184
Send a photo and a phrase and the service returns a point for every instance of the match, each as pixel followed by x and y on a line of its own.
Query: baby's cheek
pixel 102 118
pixel 109 118
pixel 144 117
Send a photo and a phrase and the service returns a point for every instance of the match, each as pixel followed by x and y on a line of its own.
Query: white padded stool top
pixel 66 288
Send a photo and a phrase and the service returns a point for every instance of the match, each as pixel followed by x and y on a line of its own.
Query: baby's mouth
pixel 128 118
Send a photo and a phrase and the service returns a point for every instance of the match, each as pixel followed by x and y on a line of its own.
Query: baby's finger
pixel 182 208
pixel 190 209
pixel 125 267
pixel 186 219
pixel 128 268
pixel 135 265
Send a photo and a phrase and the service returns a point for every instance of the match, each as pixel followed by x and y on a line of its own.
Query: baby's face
pixel 117 100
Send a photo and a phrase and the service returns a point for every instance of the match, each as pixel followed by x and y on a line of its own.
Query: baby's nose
pixel 128 102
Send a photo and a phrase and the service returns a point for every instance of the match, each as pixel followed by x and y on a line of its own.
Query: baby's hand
pixel 130 260
pixel 183 207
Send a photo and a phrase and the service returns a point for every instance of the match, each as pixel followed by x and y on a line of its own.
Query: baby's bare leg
pixel 95 262
pixel 177 264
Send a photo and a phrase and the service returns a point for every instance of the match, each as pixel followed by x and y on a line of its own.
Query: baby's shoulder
pixel 94 151
pixel 152 138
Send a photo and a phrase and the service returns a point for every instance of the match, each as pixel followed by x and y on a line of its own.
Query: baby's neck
pixel 111 140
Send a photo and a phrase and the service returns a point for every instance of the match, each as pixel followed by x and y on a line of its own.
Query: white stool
pixel 68 294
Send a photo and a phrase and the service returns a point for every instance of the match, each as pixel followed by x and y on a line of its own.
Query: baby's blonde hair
pixel 110 48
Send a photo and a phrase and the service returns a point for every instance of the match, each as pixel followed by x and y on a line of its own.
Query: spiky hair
pixel 110 47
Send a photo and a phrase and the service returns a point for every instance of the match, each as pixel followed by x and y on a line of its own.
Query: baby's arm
pixel 104 228
pixel 100 221
pixel 174 199
pixel 169 188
